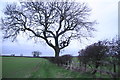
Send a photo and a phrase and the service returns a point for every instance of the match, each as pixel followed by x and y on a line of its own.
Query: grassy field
pixel 20 67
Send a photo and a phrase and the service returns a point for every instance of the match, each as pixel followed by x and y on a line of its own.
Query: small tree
pixel 118 55
pixel 97 53
pixel 36 53
pixel 83 58
pixel 114 50
pixel 94 53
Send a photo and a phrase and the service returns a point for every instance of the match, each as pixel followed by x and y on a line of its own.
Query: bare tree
pixel 57 23
pixel 83 58
pixel 118 55
pixel 114 50
pixel 94 53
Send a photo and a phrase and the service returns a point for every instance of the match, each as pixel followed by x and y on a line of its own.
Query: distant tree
pixel 21 54
pixel 57 23
pixel 12 54
pixel 36 53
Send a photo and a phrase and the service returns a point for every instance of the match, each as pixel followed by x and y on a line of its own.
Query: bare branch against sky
pixel 106 14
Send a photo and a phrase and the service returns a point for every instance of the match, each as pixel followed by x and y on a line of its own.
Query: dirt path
pixel 34 69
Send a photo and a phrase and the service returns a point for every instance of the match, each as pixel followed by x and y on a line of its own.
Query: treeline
pixel 102 57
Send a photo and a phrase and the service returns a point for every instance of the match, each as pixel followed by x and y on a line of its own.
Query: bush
pixel 62 60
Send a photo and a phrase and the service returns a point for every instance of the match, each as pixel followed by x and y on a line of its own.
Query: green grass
pixel 17 67
pixel 20 67
pixel 0 67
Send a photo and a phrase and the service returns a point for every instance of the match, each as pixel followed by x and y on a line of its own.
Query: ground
pixel 21 67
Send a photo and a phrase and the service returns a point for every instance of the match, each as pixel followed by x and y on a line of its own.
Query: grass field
pixel 21 67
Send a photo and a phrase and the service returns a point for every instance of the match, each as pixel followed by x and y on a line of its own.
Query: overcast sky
pixel 105 12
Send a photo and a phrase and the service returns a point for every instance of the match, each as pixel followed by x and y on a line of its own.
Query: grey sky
pixel 105 12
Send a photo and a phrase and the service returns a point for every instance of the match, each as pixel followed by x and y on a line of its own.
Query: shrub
pixel 62 60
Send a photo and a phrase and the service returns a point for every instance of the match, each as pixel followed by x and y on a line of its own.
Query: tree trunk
pixel 96 67
pixel 57 51
pixel 85 67
pixel 114 66
pixel 56 48
pixel 118 73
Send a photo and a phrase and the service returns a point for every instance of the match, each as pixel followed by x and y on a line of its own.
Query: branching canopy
pixel 59 22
